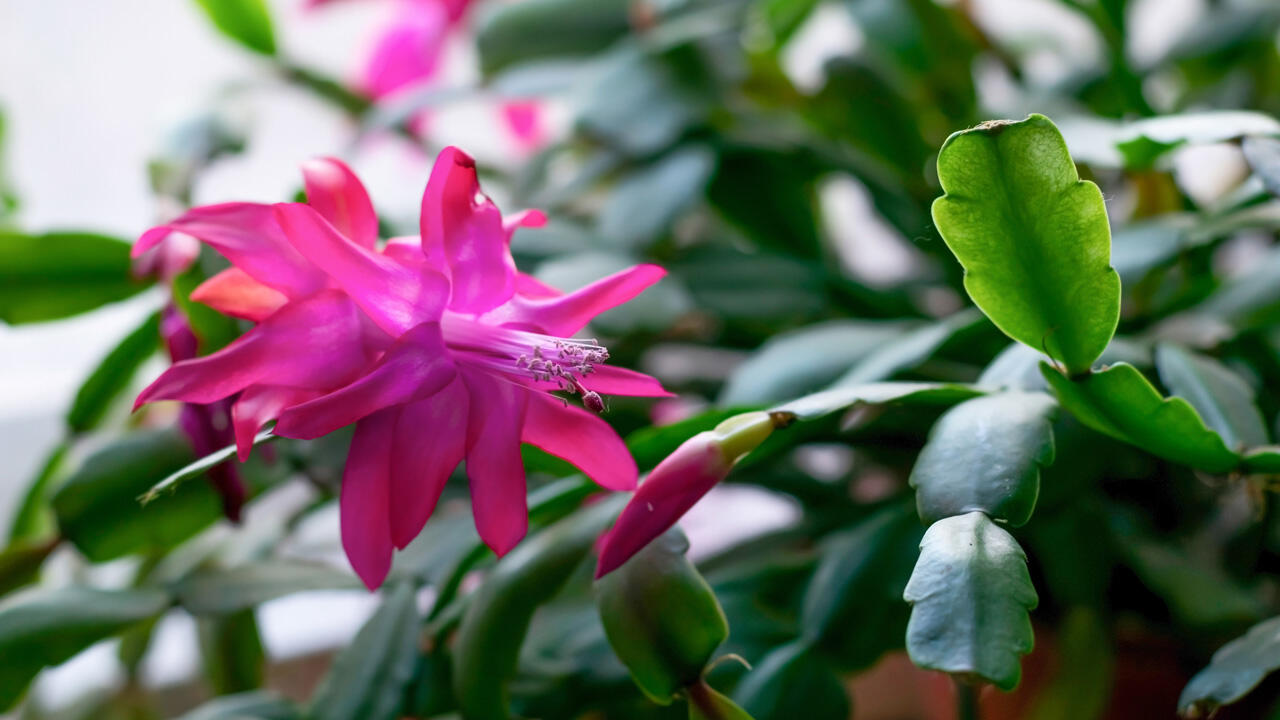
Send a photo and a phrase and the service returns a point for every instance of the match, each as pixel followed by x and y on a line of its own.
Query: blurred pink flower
pixel 678 482
pixel 408 52
pixel 435 346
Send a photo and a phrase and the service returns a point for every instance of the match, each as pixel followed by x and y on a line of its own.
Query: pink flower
pixel 679 482
pixel 208 427
pixel 436 347
pixel 407 54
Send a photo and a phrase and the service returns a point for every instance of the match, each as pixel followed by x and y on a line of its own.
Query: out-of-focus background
pixel 92 90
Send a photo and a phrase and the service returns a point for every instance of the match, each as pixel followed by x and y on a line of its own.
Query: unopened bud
pixel 678 482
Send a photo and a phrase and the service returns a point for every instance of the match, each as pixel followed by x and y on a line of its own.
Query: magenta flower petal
pixel 394 296
pixel 612 380
pixel 416 367
pixel 462 230
pixel 339 196
pixel 567 314
pixel 408 52
pixel 581 438
pixel 309 343
pixel 259 404
pixel 529 286
pixel 494 466
pixel 234 292
pixel 430 441
pixel 364 502
pixel 246 234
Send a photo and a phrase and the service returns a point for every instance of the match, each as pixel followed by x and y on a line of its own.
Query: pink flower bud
pixel 678 482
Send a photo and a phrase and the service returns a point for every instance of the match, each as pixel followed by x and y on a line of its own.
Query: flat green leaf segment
pixel 1120 402
pixel 970 595
pixel 43 628
pixel 1236 669
pixel 368 679
pixel 1223 399
pixel 985 454
pixel 812 407
pixel 1032 236
pixel 56 275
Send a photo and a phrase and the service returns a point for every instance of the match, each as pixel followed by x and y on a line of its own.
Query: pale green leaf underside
pixel 1033 238
pixel 1236 669
pixel 970 595
pixel 1222 398
pixel 1120 402
pixel 985 454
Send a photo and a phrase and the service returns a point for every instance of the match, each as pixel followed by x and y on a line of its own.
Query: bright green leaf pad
pixel 985 454
pixel 1236 669
pixel 1222 398
pixel 1120 402
pixel 971 594
pixel 1032 236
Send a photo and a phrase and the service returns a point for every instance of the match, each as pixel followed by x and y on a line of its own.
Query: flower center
pixel 527 355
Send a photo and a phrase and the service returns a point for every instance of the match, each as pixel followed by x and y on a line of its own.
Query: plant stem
pixel 966 701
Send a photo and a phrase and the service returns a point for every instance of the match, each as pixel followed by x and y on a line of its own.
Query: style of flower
pixel 408 54
pixel 435 347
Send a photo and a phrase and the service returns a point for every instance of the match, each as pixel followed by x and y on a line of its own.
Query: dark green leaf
pixel 705 703
pixel 1081 686
pixel 368 680
pixel 543 29
pixel 97 506
pixel 908 351
pixel 20 564
pixel 1120 402
pixel 641 102
pixel 770 196
pixel 231 650
pixel 248 22
pixel 498 616
pixel 260 705
pixel 1033 238
pixel 1236 669
pixel 34 519
pixel 661 618
pixel 1199 594
pixel 218 591
pixel 1223 400
pixel 113 375
pixel 970 595
pixel 985 454
pixel 43 628
pixel 55 275
pixel 788 679
pixel 853 609
pixel 647 201
pixel 812 407
pixel 804 360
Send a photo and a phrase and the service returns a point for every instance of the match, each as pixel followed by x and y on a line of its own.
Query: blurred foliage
pixel 695 143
